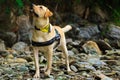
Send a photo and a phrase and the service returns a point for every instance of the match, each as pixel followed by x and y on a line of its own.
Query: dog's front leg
pixel 36 59
pixel 49 55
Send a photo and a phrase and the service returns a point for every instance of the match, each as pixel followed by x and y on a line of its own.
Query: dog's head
pixel 41 11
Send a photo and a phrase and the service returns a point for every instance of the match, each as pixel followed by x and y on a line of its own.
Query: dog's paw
pixel 70 72
pixel 37 75
pixel 47 73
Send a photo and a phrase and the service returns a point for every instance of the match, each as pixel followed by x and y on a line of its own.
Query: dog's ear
pixel 48 13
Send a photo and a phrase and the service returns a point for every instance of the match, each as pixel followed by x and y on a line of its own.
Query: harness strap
pixel 46 43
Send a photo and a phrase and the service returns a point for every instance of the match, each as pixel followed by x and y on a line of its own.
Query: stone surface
pixel 19 46
pixel 8 37
pixel 86 32
pixel 92 48
pixel 19 65
pixel 24 27
pixel 110 31
pixel 73 68
pixel 2 45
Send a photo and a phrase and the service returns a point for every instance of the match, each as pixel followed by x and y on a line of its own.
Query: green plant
pixel 13 5
pixel 113 8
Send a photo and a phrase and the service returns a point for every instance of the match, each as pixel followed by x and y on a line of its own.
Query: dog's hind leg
pixel 65 52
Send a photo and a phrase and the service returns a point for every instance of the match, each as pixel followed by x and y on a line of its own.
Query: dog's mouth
pixel 35 14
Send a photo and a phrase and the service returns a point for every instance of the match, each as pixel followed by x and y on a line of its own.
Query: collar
pixel 46 28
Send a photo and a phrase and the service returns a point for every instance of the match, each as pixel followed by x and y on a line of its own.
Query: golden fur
pixel 40 21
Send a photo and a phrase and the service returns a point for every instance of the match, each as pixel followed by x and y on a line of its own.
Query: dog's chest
pixel 39 36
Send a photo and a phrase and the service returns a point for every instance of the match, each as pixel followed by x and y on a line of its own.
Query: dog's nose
pixel 33 4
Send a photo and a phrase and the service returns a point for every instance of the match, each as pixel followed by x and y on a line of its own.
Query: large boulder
pixel 84 32
pixel 110 31
pixel 8 37
pixel 24 27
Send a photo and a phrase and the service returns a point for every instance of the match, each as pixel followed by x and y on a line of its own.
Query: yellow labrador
pixel 46 37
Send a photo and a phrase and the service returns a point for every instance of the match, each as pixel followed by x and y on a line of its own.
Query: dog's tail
pixel 67 28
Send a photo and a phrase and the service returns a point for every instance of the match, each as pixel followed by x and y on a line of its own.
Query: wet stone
pixel 71 53
pixel 23 68
pixel 4 53
pixel 73 68
pixel 86 66
pixel 96 61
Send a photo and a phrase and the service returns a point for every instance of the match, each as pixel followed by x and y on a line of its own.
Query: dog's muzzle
pixel 32 11
pixel 35 14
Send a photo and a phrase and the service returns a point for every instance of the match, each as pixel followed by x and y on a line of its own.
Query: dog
pixel 46 37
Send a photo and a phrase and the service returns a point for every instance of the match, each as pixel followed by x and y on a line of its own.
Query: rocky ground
pixel 86 62
pixel 97 59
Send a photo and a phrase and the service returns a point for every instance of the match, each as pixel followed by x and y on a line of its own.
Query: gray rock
pixel 19 46
pixel 114 32
pixel 107 78
pixel 111 31
pixel 96 61
pixel 8 37
pixel 11 38
pixel 86 32
pixel 4 53
pixel 24 25
pixel 71 53
pixel 2 45
pixel 73 68
pixel 86 65
pixel 23 68
pixel 89 78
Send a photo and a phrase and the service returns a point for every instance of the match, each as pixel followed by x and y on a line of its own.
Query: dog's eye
pixel 40 7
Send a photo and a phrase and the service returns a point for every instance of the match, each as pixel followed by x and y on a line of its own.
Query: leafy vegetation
pixel 112 7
